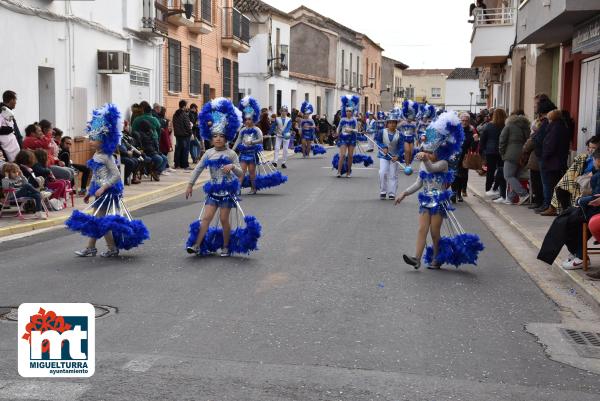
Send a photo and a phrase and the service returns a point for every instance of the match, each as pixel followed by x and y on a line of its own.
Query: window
pixel 343 62
pixel 226 78
pixel 236 70
pixel 306 97
pixel 410 92
pixel 350 74
pixel 174 66
pixel 357 70
pixel 195 70
pixel 318 104
pixel 205 93
pixel 139 77
pixel 436 93
pixel 345 81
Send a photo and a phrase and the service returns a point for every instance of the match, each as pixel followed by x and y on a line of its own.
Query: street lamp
pixel 387 89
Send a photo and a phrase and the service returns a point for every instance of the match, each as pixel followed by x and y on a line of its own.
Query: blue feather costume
pixel 109 211
pixel 444 138
pixel 220 117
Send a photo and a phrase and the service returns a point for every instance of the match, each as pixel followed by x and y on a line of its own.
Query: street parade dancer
pixel 283 133
pixel 257 171
pixel 408 128
pixel 443 140
pixel 308 131
pixel 371 130
pixel 219 122
pixel 347 131
pixel 249 140
pixel 425 117
pixel 389 142
pixel 109 218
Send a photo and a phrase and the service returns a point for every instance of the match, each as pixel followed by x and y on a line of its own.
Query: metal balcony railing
pixel 236 25
pixel 494 16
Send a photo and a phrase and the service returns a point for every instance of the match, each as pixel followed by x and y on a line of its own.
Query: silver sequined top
pixel 216 173
pixel 108 173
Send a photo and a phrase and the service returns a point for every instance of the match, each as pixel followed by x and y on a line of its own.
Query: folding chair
pixel 10 197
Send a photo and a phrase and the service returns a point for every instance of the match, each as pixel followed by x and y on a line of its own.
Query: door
pixel 278 100
pixel 589 99
pixel 46 94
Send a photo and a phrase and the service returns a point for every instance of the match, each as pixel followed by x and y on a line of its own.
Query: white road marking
pixel 141 364
pixel 51 390
pixel 354 168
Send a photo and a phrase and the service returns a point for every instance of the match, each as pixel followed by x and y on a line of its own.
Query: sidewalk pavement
pixel 135 197
pixel 533 228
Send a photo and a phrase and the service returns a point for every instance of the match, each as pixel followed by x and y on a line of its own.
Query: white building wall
pixel 70 49
pixel 348 48
pixel 458 95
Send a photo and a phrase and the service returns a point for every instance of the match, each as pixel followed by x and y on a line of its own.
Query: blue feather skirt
pixel 461 249
pixel 265 181
pixel 127 233
pixel 356 159
pixel 315 148
pixel 243 240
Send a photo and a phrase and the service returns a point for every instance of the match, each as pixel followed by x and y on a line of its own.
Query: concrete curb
pixel 132 202
pixel 575 277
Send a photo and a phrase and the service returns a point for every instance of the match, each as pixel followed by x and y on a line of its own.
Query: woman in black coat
pixel 489 146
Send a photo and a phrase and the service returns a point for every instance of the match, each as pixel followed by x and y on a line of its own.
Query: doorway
pixel 589 101
pixel 278 100
pixel 46 94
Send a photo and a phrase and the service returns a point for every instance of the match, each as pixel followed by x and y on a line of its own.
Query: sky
pixel 420 33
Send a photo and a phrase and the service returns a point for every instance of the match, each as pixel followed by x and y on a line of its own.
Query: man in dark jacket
pixel 182 128
pixel 150 150
pixel 195 140
pixel 555 152
pixel 324 128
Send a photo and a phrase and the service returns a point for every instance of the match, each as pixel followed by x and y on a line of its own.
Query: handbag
pixel 473 160
pixel 585 184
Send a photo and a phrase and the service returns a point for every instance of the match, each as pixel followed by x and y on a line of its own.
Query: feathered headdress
pixel 444 137
pixel 394 115
pixel 350 102
pixel 105 126
pixel 250 108
pixel 410 109
pixel 381 115
pixel 219 116
pixel 306 108
pixel 426 111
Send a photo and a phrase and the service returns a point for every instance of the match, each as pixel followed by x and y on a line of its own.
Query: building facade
pixel 264 71
pixel 84 54
pixel 371 85
pixel 462 91
pixel 426 85
pixel 201 53
pixel 392 90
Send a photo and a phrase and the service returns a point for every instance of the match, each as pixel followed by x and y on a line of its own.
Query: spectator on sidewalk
pixel 529 159
pixel 543 106
pixel 489 146
pixel 165 143
pixel 131 156
pixel 512 139
pixel 459 185
pixel 148 117
pixel 9 102
pixel 37 139
pixel 136 111
pixel 9 144
pixel 183 131
pixel 195 140
pixel 324 128
pixel 40 169
pixel 26 159
pixel 150 150
pixel 14 179
pixel 264 123
pixel 566 229
pixel 555 153
pixel 65 156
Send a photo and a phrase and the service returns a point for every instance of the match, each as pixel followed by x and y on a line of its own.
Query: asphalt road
pixel 326 310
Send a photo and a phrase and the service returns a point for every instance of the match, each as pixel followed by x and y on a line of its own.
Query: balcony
pixel 493 35
pixel 203 21
pixel 236 30
pixel 153 20
pixel 552 21
pixel 176 12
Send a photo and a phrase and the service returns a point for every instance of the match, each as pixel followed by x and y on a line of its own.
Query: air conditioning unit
pixel 113 62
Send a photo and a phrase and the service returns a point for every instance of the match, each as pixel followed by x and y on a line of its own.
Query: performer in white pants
pixel 371 129
pixel 390 142
pixel 283 133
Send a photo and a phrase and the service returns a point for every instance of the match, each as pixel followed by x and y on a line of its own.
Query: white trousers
pixel 370 145
pixel 286 144
pixel 388 177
